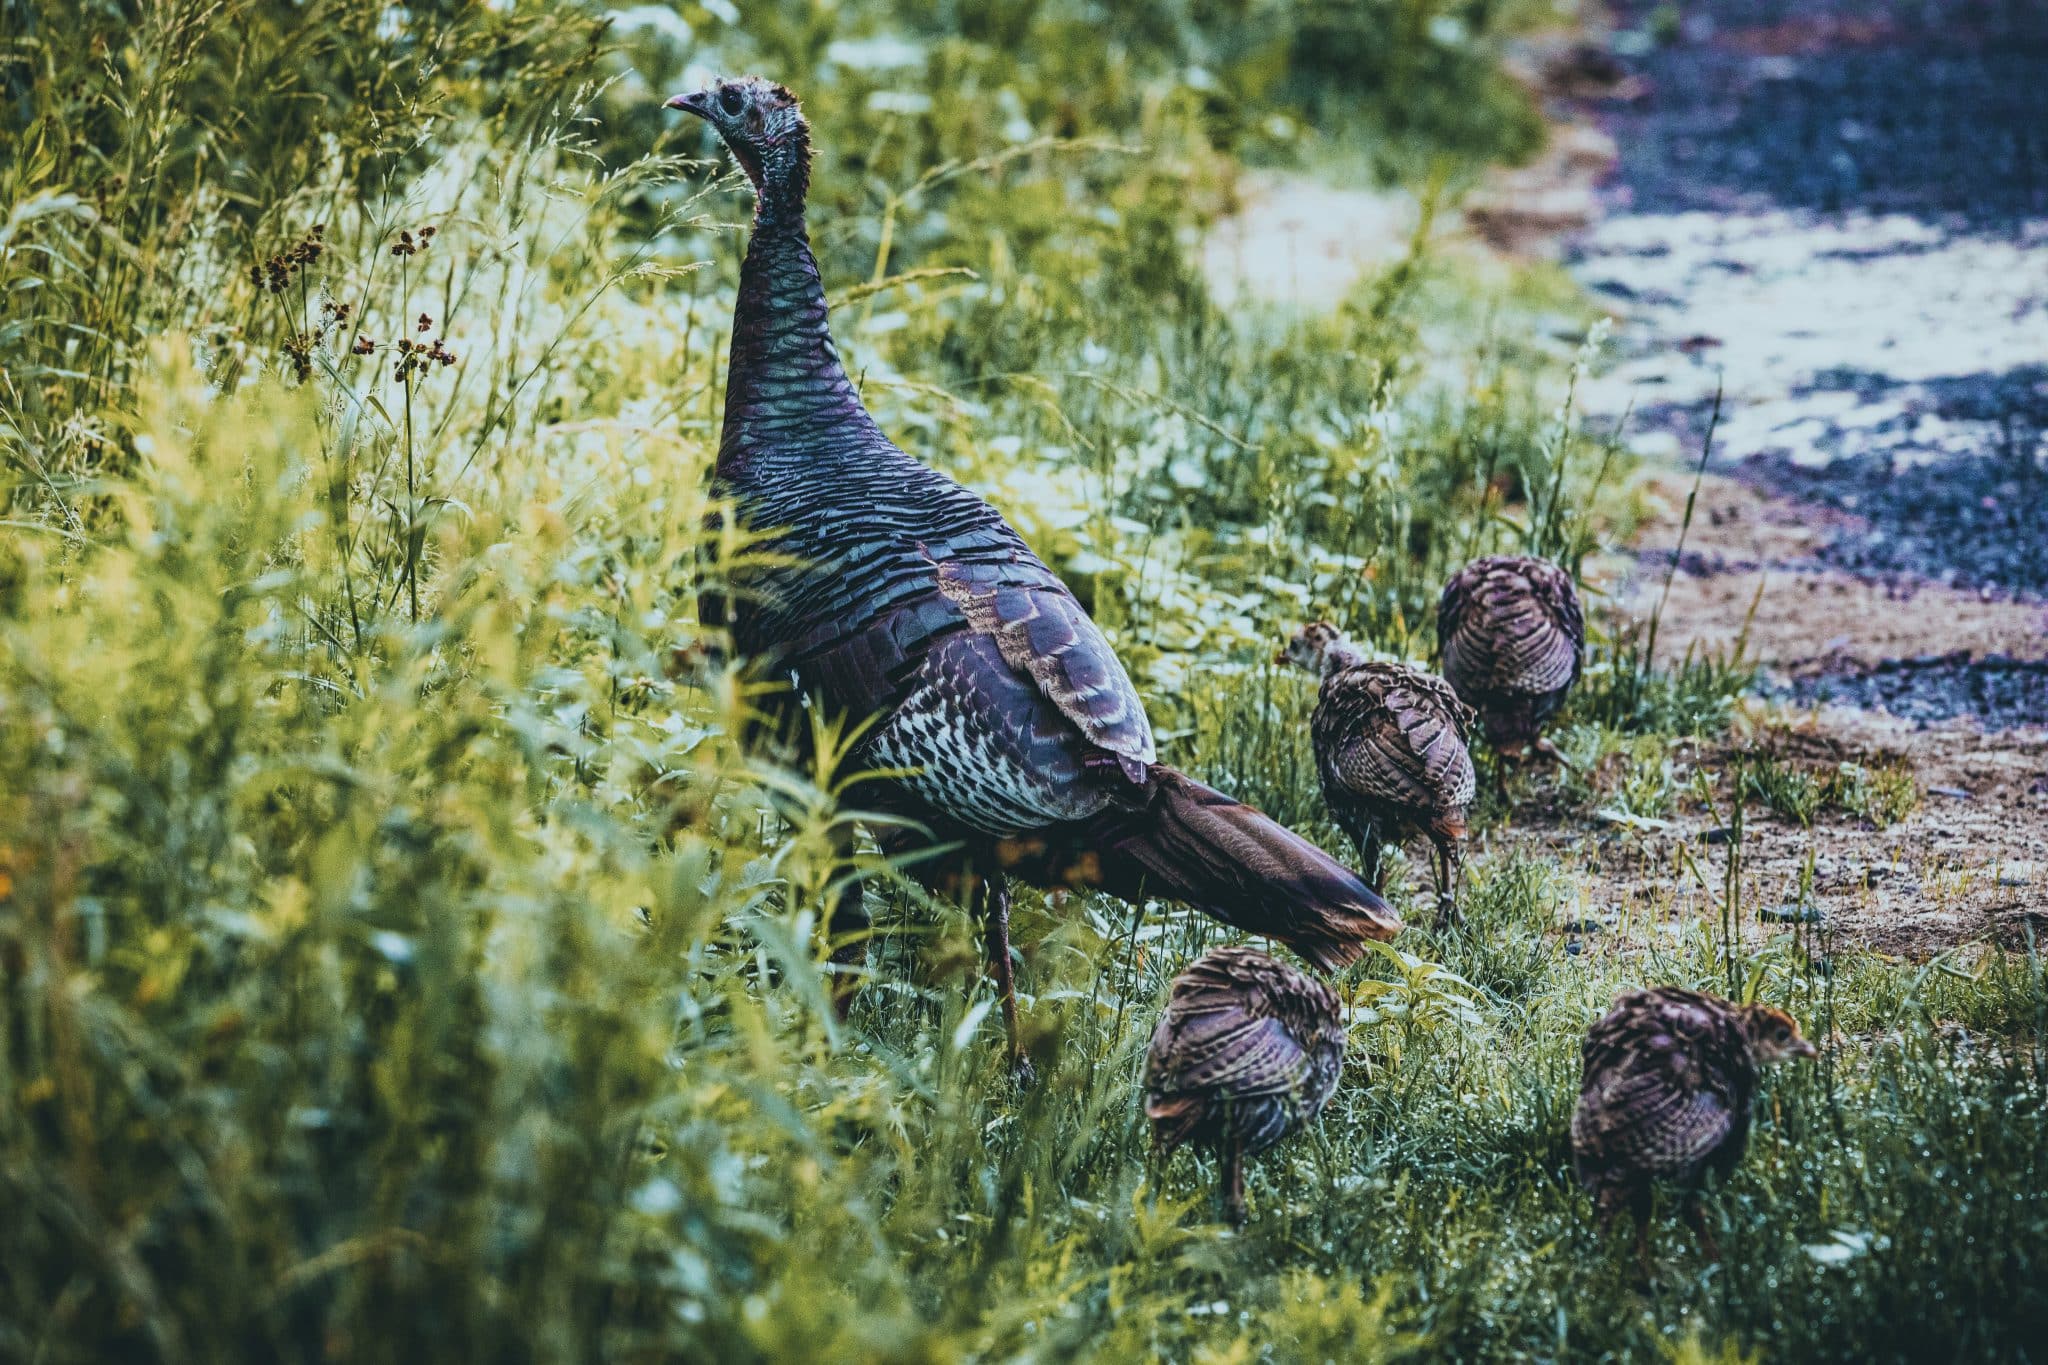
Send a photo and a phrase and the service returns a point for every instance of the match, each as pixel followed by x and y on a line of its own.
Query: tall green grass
pixel 402 959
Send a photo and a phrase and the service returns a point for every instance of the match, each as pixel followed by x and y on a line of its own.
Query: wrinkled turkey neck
pixel 786 391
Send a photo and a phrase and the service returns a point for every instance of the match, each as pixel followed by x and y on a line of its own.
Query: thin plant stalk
pixel 1684 526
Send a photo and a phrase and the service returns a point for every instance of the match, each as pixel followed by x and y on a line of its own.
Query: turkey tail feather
pixel 1192 843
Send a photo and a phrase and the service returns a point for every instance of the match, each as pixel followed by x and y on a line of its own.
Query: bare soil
pixel 1753 548
pixel 1849 662
pixel 1296 243
pixel 1967 866
pixel 1836 217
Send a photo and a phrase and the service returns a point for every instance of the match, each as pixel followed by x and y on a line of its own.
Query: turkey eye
pixel 1784 1035
pixel 730 100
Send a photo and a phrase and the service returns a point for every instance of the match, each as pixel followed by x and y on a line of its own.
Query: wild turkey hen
pixel 1249 1051
pixel 1512 641
pixel 1390 749
pixel 900 598
pixel 1665 1096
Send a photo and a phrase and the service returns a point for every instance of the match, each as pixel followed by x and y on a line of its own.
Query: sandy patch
pixel 1296 243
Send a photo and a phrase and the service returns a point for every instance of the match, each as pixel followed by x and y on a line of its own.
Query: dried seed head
pixel 298 348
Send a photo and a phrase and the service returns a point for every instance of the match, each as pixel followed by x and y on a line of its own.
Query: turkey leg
pixel 1233 1185
pixel 1370 863
pixel 1696 1219
pixel 1443 863
pixel 993 891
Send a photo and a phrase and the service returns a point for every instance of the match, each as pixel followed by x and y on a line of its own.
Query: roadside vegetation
pixel 402 960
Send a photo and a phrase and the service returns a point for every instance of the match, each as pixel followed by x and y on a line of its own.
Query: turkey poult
pixel 1669 1078
pixel 1249 1051
pixel 1390 749
pixel 1001 719
pixel 1513 641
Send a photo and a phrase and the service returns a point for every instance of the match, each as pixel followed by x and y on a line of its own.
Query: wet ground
pixel 1935 109
pixel 1830 218
pixel 1975 519
pixel 1998 691
pixel 1836 213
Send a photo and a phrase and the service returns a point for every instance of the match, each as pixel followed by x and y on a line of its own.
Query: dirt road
pixel 1835 215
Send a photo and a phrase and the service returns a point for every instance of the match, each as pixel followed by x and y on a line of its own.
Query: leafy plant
pixel 1420 995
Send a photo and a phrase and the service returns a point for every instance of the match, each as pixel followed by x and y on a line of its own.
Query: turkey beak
pixel 1805 1049
pixel 697 102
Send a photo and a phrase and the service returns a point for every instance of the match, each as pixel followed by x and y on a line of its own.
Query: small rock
pixel 1583 926
pixel 2017 874
pixel 1789 913
pixel 1573 947
pixel 1719 834
pixel 1955 793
